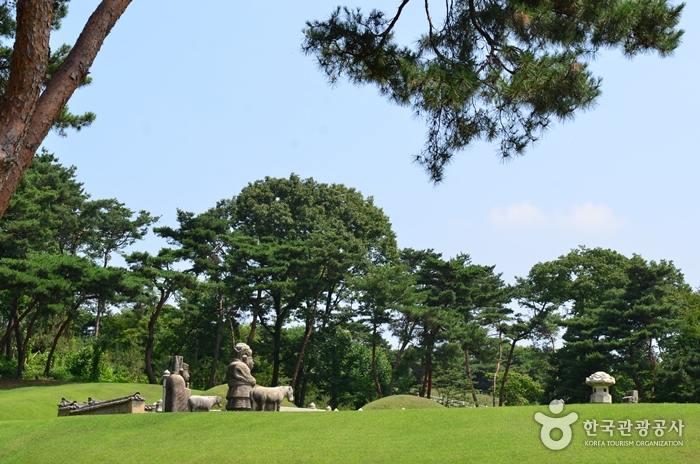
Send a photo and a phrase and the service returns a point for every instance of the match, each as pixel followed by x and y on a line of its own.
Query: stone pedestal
pixel 632 397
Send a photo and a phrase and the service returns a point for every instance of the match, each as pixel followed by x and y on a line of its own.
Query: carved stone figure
pixel 269 398
pixel 601 381
pixel 177 384
pixel 202 403
pixel 240 381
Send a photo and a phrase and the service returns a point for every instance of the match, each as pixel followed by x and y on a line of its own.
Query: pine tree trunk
pixel 424 384
pixel 7 341
pixel 15 319
pixel 233 334
pixel 501 392
pixel 26 117
pixel 25 347
pixel 395 368
pixel 217 345
pixel 469 377
pixel 150 341
pixel 301 397
pixel 307 336
pixel 100 311
pixel 20 352
pixel 49 360
pixel 277 341
pixel 495 374
pixel 254 323
pixel 430 380
pixel 374 361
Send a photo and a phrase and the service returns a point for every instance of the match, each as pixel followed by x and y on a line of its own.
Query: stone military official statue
pixel 240 381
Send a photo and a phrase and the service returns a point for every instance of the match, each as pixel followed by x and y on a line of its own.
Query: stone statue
pixel 601 382
pixel 270 398
pixel 240 381
pixel 177 386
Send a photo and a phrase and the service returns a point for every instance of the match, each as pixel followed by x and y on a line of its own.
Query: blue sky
pixel 195 102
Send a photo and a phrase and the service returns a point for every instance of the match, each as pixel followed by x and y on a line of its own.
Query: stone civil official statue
pixel 177 386
pixel 240 381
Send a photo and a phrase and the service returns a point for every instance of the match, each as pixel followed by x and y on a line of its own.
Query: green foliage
pixel 8 26
pixel 498 71
pixel 620 311
pixel 520 389
pixel 679 370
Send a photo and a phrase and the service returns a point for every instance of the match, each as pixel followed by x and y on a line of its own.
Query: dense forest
pixel 311 277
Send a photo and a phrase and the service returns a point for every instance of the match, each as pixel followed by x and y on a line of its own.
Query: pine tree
pixel 493 70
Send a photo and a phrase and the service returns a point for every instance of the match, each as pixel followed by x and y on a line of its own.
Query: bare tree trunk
pixel 301 397
pixel 307 336
pixel 217 345
pixel 150 342
pixel 100 311
pixel 7 340
pixel 20 352
pixel 430 380
pixel 26 117
pixel 395 368
pixel 424 385
pixel 640 388
pixel 469 377
pixel 495 374
pixel 254 324
pixel 233 335
pixel 25 347
pixel 427 377
pixel 374 361
pixel 49 360
pixel 15 319
pixel 505 372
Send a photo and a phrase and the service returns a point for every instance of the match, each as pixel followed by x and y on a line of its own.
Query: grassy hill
pixel 401 402
pixel 27 434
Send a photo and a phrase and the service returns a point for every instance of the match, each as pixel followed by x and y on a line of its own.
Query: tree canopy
pixel 496 70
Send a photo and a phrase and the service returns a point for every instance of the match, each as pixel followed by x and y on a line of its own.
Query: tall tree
pixel 617 312
pixel 162 281
pixel 381 291
pixel 495 70
pixel 38 84
pixel 112 229
pixel 200 240
pixel 304 239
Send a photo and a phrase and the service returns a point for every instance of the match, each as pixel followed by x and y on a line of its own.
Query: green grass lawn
pixel 401 402
pixel 28 433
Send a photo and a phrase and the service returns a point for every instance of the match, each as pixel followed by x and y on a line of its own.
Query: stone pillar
pixel 166 374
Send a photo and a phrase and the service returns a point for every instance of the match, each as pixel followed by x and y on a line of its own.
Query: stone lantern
pixel 601 381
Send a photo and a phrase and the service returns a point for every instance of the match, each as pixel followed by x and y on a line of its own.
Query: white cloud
pixel 586 217
pixel 518 214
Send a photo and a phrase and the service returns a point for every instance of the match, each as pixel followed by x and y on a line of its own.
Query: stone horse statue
pixel 269 398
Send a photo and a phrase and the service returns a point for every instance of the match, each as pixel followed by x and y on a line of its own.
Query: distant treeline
pixel 310 276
